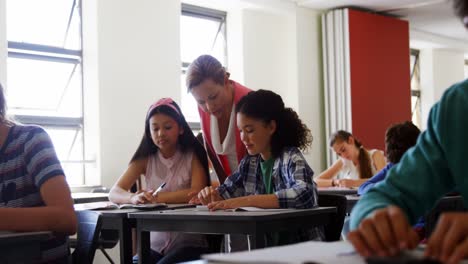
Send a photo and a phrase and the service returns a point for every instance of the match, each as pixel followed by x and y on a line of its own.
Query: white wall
pixel 3 42
pixel 440 68
pixel 310 83
pixel 282 53
pixel 136 60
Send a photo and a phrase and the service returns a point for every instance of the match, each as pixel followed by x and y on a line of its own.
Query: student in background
pixel 34 193
pixel 398 139
pixel 434 166
pixel 168 153
pixel 217 95
pixel 274 174
pixel 356 163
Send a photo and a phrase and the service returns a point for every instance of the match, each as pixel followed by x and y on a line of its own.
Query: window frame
pixel 40 52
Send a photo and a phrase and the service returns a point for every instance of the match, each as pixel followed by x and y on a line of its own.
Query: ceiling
pixel 434 17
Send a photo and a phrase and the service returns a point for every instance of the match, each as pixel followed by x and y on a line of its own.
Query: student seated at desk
pixel 434 166
pixel 168 153
pixel 274 174
pixel 356 163
pixel 398 139
pixel 34 193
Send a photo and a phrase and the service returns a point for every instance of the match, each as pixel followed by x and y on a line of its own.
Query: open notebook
pixel 240 209
pixel 340 252
pixel 111 206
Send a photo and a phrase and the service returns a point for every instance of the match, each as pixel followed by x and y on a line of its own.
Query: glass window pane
pixel 46 90
pixel 40 22
pixel 197 36
pixel 68 144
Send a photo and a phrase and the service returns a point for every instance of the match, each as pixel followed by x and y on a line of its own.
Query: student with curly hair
pixel 356 164
pixel 274 174
pixel 398 139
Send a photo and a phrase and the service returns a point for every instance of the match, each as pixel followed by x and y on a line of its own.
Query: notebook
pixel 113 206
pixel 240 209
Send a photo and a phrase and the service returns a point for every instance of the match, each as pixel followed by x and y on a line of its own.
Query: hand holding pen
pixel 159 189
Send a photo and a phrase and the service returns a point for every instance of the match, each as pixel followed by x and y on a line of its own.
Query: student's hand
pixel 385 233
pixel 449 242
pixel 193 198
pixel 225 204
pixel 348 183
pixel 142 197
pixel 209 194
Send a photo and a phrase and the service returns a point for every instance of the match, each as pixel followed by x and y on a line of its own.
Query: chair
pixel 445 204
pixel 334 227
pixel 89 226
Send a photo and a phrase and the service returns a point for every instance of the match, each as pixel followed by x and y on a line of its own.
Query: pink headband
pixel 163 101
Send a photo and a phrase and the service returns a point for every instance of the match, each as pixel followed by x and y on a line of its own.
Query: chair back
pixel 89 227
pixel 334 227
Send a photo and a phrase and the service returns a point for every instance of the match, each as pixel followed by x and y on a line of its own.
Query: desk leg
pixel 143 246
pixel 125 234
pixel 257 240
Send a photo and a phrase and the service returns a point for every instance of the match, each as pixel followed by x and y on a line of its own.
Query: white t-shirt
pixel 349 170
pixel 228 147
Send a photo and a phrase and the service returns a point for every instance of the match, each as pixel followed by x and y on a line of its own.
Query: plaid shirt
pixel 291 179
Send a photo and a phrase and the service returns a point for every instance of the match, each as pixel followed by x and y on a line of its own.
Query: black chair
pixel 445 204
pixel 334 227
pixel 89 226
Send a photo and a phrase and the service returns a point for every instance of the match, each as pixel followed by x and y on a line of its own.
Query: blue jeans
pixel 175 256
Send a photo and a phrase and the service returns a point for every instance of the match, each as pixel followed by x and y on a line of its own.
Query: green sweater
pixel 435 166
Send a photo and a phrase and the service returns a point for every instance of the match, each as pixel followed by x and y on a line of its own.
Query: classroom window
pixel 415 88
pixel 202 31
pixel 44 75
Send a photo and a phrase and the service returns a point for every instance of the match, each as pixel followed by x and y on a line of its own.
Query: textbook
pixel 113 206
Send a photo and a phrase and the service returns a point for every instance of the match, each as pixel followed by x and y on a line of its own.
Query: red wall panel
pixel 380 75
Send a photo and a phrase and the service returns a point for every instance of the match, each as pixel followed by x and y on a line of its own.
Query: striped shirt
pixel 27 160
pixel 291 179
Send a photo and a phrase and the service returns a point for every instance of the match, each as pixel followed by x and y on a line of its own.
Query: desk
pixel 255 224
pixel 118 220
pixel 14 245
pixel 351 201
pixel 89 197
pixel 337 190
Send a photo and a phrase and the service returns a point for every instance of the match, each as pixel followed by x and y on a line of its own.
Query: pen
pixel 159 189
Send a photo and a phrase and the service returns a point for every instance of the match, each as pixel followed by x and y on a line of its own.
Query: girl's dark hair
pixel 399 138
pixel 365 169
pixel 202 68
pixel 2 105
pixel 267 106
pixel 461 9
pixel 187 141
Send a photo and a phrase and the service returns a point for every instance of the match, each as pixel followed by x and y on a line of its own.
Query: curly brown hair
pixel 266 106
pixel 399 138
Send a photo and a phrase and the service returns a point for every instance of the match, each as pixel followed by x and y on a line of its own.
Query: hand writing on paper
pixel 385 233
pixel 143 197
pixel 226 204
pixel 193 198
pixel 449 242
pixel 348 183
pixel 208 195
